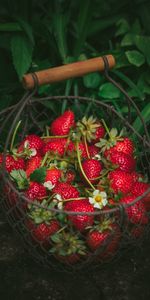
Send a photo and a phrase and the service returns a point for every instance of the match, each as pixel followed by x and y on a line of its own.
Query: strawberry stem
pixel 74 199
pixel 106 127
pixel 14 135
pixel 54 136
pixel 61 229
pixel 44 159
pixel 80 165
pixel 86 147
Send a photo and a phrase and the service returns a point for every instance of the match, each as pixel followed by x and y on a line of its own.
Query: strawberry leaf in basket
pixel 20 177
pixel 38 175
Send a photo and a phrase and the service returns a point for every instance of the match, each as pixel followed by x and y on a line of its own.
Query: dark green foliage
pixel 36 35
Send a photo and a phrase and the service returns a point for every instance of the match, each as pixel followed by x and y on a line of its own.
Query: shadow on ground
pixel 22 278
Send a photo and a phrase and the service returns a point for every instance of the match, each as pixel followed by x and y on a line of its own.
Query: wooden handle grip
pixel 67 71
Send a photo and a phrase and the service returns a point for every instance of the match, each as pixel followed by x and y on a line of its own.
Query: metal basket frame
pixel 29 100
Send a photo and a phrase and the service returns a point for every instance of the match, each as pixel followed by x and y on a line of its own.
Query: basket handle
pixel 67 71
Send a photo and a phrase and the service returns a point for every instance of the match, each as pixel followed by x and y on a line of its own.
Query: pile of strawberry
pixel 71 178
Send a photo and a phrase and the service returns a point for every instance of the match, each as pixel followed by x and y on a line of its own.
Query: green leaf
pixel 145 113
pixel 20 177
pixel 127 40
pixel 101 24
pixel 38 175
pixel 123 27
pixel 135 58
pixel 27 29
pixel 92 80
pixel 130 83
pixel 109 91
pixel 10 27
pixel 21 49
pixel 143 44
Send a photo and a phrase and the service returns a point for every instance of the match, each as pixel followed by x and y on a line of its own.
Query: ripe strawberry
pixel 137 176
pixel 104 241
pixel 43 231
pixel 66 190
pixel 70 259
pixel 120 181
pixel 80 221
pixel 33 164
pixel 124 161
pixel 72 150
pixel 138 189
pixel 69 176
pixel 137 232
pixel 126 146
pixel 36 191
pixel 92 169
pixel 99 133
pixel 31 142
pixel 12 163
pixel 63 124
pixel 136 212
pixel 93 150
pixel 11 195
pixel 55 146
pixel 53 175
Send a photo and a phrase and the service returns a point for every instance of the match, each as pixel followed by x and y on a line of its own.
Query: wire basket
pixel 35 113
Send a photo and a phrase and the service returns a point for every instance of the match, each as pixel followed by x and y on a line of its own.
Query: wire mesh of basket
pixel 66 247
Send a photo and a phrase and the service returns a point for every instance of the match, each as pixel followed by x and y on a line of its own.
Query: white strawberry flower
pixel 49 185
pixel 99 199
pixel 59 201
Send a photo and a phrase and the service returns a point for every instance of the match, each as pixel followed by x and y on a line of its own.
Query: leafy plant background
pixel 40 34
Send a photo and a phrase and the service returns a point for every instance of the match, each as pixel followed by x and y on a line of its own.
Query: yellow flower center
pixel 98 198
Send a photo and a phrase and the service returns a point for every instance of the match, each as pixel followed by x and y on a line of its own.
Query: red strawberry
pixel 63 124
pixel 126 146
pixel 136 212
pixel 42 232
pixel 69 176
pixel 66 190
pixel 12 163
pixel 120 181
pixel 69 259
pixel 30 142
pixel 93 150
pixel 138 189
pixel 99 133
pixel 80 221
pixel 72 150
pixel 36 191
pixel 137 176
pixel 55 146
pixel 33 164
pixel 92 169
pixel 105 241
pixel 53 175
pixel 124 161
pixel 137 232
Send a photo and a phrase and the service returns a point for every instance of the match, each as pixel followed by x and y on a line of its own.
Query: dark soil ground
pixel 21 278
